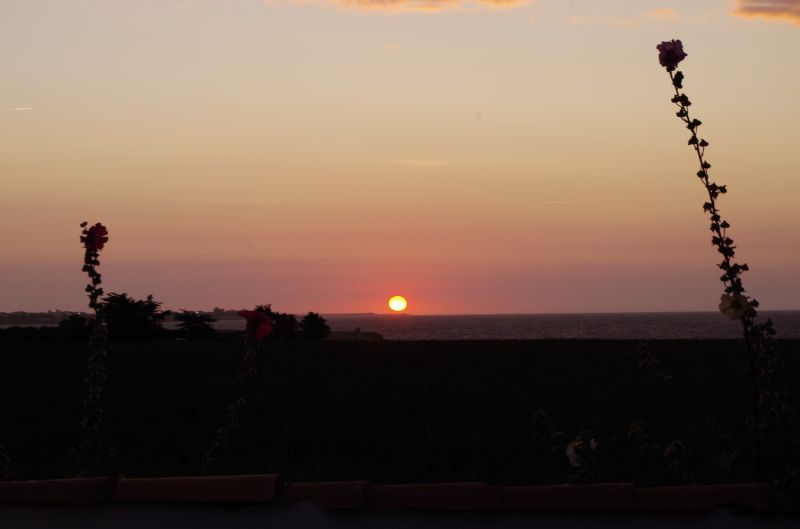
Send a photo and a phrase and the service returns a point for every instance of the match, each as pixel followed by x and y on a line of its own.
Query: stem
pixel 5 465
pixel 717 229
pixel 231 421
pixel 95 458
pixel 731 279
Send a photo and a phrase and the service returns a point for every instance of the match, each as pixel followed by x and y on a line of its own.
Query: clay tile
pixel 703 498
pixel 331 494
pixel 451 496
pixel 257 488
pixel 57 491
pixel 594 497
pixel 784 501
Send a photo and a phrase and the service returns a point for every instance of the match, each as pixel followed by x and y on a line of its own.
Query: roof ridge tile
pixel 695 498
pixel 445 496
pixel 72 491
pixel 593 496
pixel 330 494
pixel 248 488
pixel 354 495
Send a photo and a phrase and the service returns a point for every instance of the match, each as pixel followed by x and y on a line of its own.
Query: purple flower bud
pixel 670 54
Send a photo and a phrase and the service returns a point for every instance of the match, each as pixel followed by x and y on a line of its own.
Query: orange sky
pixel 477 157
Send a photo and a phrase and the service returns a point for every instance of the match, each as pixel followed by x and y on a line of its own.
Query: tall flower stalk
pixel 765 363
pixel 5 465
pixel 259 327
pixel 93 454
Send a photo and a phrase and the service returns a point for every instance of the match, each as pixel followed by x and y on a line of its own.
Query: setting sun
pixel 398 303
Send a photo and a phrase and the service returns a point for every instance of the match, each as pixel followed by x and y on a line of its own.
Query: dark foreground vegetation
pixel 495 411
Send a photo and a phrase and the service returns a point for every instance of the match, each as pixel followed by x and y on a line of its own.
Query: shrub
pixel 74 327
pixel 131 319
pixel 195 326
pixel 285 326
pixel 314 327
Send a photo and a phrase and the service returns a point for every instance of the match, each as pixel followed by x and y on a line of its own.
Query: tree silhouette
pixel 131 319
pixel 285 326
pixel 195 326
pixel 314 327
pixel 75 327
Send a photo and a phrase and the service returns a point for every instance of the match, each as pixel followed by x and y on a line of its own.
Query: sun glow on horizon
pixel 397 303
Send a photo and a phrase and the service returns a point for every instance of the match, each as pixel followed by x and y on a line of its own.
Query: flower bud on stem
pixel 765 363
pixel 259 327
pixel 95 458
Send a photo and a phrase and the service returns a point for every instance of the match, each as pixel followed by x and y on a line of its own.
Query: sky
pixel 487 156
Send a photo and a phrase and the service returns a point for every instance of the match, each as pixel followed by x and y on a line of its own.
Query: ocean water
pixel 628 326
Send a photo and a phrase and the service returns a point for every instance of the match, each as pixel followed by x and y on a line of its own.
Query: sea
pixel 620 326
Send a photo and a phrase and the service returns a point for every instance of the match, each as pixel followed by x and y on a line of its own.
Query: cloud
pixel 400 5
pixel 423 163
pixel 771 9
pixel 405 5
pixel 578 20
pixel 659 14
pixel 663 12
pixel 20 109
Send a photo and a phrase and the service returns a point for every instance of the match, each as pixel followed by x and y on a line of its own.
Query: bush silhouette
pixel 314 327
pixel 131 319
pixel 285 326
pixel 74 327
pixel 195 326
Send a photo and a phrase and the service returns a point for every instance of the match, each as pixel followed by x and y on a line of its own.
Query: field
pixel 396 411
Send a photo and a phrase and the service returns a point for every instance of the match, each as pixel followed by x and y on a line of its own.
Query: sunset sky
pixel 474 156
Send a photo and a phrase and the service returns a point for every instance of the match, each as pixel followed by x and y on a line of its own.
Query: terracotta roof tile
pixel 57 491
pixel 446 496
pixel 256 488
pixel 596 497
pixel 784 501
pixel 331 494
pixel 703 498
pixel 433 496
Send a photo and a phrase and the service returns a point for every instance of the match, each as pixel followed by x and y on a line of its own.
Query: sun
pixel 398 303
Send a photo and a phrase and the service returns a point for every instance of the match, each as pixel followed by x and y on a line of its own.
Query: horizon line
pixel 451 314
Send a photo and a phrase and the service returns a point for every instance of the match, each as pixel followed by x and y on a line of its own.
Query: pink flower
pixel 96 237
pixel 670 53
pixel 734 306
pixel 575 448
pixel 572 454
pixel 259 324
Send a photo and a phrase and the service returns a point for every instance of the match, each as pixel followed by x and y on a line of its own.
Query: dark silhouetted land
pixel 393 411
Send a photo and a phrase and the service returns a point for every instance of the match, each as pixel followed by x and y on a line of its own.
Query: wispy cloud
pixel 20 109
pixel 771 9
pixel 422 163
pixel 663 12
pixel 559 202
pixel 400 5
pixel 405 5
pixel 578 20
pixel 658 14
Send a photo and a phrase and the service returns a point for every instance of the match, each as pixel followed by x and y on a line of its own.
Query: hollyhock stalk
pixel 5 465
pixel 259 327
pixel 93 456
pixel 765 363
